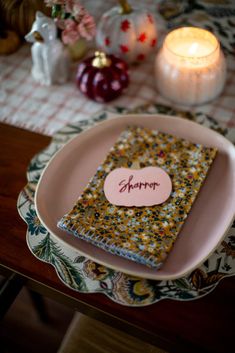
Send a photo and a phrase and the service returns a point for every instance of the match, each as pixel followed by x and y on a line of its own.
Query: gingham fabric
pixel 26 104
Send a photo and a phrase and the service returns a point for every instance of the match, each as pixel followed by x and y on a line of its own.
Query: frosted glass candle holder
pixel 190 67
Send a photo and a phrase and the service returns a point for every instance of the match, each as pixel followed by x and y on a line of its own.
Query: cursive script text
pixel 129 185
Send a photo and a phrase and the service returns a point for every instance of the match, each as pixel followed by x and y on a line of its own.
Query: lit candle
pixel 190 67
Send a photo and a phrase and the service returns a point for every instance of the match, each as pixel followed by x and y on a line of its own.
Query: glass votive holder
pixel 190 67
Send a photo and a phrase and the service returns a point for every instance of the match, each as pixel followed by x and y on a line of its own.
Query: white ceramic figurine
pixel 50 57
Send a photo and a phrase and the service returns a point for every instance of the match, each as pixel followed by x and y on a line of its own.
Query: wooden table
pixel 203 325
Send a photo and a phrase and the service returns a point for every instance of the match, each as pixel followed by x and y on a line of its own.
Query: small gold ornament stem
pixel 125 7
pixel 101 60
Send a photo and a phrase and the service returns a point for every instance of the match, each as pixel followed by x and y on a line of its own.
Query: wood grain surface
pixel 202 325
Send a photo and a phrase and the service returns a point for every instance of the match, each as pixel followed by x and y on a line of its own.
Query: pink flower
pixel 87 27
pixel 78 11
pixel 78 23
pixel 70 34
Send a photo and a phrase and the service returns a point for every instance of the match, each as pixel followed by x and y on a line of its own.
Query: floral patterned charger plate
pixel 84 275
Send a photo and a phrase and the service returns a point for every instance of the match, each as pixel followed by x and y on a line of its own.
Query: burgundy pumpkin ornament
pixel 102 77
pixel 128 32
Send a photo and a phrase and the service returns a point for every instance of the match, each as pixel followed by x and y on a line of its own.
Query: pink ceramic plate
pixel 70 169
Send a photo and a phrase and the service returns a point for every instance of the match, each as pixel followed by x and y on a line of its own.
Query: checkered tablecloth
pixel 26 104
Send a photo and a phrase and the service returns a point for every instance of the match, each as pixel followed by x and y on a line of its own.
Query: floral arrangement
pixel 73 19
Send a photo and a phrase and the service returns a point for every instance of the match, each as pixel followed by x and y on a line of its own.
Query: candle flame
pixel 193 48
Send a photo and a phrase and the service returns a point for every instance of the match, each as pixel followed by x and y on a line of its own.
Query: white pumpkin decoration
pixel 126 32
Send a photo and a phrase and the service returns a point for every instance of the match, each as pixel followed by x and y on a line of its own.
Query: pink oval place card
pixel 137 187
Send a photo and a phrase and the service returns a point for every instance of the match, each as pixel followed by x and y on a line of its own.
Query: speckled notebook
pixel 142 234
